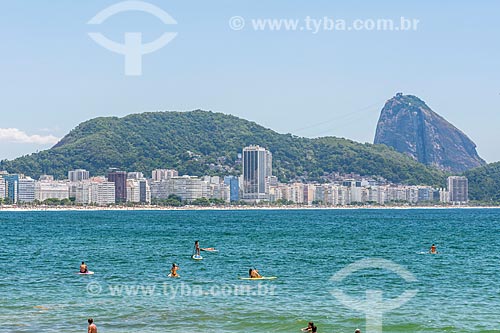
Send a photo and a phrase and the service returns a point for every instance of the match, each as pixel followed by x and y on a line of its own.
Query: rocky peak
pixel 408 125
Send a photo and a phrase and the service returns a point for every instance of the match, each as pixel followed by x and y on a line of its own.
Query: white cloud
pixel 15 135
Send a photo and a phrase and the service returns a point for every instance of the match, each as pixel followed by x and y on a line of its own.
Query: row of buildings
pixel 256 184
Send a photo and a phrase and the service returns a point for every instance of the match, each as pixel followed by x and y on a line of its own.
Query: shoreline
pixel 227 208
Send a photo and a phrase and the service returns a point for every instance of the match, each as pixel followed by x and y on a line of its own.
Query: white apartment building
pixel 163 174
pixel 133 191
pixel 102 193
pixel 26 190
pixel 51 190
pixel 96 191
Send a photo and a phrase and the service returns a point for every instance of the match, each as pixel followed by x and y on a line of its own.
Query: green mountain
pixel 201 142
pixel 484 182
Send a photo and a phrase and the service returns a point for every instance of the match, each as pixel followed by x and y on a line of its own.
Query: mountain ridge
pixel 205 142
pixel 411 127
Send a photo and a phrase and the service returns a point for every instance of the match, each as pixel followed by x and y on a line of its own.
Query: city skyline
pixel 304 83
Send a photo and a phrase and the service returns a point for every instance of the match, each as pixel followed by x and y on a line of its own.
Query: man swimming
pixel 83 268
pixel 433 249
pixel 92 328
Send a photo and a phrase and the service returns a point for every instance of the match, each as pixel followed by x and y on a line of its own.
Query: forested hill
pixel 202 142
pixel 484 182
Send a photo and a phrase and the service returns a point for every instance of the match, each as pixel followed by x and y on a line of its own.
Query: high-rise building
pixel 144 191
pixel 163 174
pixel 234 187
pixel 257 168
pixel 102 193
pixel 26 190
pixel 120 180
pixel 78 175
pixel 458 188
pixel 11 185
pixel 3 188
pixel 133 191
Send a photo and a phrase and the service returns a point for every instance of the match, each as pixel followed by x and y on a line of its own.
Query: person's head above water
pixel 83 263
pixel 357 330
pixel 310 324
pixel 174 265
pixel 90 320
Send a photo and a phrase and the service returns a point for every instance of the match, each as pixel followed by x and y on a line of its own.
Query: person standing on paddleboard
pixel 197 248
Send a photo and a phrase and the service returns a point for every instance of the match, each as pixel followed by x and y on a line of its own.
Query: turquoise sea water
pixel 131 253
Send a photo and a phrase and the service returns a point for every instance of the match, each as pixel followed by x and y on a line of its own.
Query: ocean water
pixel 458 290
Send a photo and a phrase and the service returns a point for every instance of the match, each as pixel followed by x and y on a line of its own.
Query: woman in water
pixel 253 273
pixel 197 247
pixel 309 327
pixel 173 270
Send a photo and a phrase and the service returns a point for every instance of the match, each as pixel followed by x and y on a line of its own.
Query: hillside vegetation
pixel 201 142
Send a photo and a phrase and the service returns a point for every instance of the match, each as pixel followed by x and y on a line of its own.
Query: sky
pixel 309 81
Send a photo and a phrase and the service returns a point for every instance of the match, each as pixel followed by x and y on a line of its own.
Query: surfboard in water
pixel 196 257
pixel 259 278
pixel 88 273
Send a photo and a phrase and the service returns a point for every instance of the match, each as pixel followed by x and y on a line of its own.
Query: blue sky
pixel 53 76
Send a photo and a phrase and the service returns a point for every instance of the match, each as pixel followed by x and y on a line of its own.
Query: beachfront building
pixel 102 193
pixel 119 178
pixel 163 174
pixel 77 175
pixel 257 168
pixel 82 192
pixel 160 189
pixel 47 188
pixel 188 188
pixel 234 187
pixel 11 182
pixel 95 191
pixel 145 192
pixel 217 189
pixel 3 188
pixel 26 190
pixel 133 191
pixel 458 188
